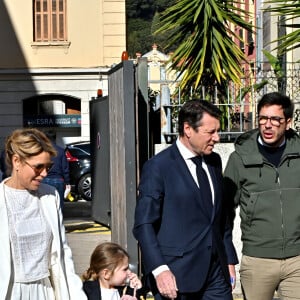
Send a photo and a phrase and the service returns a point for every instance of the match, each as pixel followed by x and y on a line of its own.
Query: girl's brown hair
pixel 105 256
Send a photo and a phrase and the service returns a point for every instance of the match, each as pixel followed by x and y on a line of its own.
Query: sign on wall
pixel 52 121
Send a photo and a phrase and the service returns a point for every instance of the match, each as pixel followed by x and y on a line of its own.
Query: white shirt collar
pixel 186 153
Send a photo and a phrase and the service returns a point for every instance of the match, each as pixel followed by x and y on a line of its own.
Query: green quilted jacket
pixel 268 197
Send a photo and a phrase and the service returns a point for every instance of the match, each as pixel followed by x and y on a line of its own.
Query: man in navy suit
pixel 186 243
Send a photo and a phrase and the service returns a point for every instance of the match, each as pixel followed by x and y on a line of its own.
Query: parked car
pixel 79 157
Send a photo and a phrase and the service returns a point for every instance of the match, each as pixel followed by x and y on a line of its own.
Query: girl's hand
pixel 134 281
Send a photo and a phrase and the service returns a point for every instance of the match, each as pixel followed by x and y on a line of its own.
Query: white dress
pixel 109 294
pixel 30 239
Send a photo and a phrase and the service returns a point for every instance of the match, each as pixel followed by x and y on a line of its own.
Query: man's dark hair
pixel 276 98
pixel 192 113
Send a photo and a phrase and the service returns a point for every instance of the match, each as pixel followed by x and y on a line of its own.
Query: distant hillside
pixel 142 15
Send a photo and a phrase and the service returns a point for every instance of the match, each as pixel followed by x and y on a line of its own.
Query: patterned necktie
pixel 203 182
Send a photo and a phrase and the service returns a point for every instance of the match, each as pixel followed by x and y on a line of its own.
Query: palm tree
pixel 204 30
pixel 289 11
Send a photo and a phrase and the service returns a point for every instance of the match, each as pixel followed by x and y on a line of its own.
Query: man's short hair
pixel 276 98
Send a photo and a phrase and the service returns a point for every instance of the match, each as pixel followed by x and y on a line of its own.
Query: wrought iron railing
pixel 239 104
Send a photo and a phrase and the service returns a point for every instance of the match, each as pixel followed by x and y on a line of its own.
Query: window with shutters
pixel 49 21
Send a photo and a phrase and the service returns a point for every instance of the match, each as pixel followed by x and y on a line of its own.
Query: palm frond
pixel 206 41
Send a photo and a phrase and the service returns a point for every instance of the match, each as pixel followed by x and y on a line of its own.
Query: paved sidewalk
pixel 83 236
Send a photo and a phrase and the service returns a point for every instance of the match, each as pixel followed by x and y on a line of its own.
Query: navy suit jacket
pixel 172 225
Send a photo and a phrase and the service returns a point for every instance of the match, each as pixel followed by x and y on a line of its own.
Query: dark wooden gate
pixel 120 146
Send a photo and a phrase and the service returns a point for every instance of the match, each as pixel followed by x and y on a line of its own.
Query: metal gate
pixel 119 143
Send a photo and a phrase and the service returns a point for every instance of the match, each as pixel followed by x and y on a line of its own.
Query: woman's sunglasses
pixel 39 168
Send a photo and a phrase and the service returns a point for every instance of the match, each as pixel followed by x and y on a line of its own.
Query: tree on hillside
pixel 143 9
pixel 162 40
pixel 139 37
pixel 207 54
pixel 140 15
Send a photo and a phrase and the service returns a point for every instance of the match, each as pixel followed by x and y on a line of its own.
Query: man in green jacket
pixel 262 176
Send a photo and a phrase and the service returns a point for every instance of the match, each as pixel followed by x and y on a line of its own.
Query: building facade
pixel 54 56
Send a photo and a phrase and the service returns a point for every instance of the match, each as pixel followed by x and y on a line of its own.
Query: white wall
pixel 224 149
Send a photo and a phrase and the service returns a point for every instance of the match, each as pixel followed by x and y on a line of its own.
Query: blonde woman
pixel 36 262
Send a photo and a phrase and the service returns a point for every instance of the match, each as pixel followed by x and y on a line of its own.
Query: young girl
pixel 108 274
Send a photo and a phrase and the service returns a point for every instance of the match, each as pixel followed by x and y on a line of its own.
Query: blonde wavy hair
pixel 26 143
